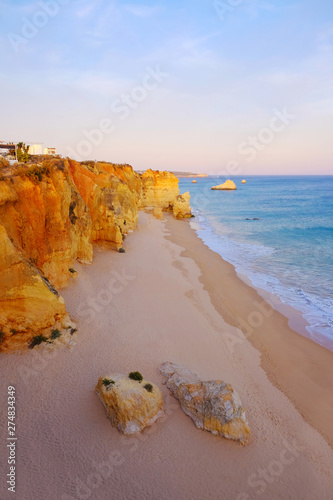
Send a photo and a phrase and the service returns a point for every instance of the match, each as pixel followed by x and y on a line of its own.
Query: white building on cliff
pixel 38 149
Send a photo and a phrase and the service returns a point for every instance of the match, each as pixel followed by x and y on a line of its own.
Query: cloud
pixel 141 10
pixel 85 9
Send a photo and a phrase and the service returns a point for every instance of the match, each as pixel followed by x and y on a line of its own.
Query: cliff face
pixel 159 189
pixel 28 304
pixel 50 215
pixel 112 204
pixel 47 220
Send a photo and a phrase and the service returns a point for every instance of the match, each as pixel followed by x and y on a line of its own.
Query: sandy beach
pixel 170 298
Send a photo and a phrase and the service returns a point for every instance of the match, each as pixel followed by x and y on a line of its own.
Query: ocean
pixel 288 251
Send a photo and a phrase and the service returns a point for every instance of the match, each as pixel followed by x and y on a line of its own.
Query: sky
pixel 223 86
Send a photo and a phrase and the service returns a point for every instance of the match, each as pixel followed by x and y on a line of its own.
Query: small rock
pixel 158 213
pixel 213 405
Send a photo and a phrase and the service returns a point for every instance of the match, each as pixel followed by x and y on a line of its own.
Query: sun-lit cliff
pixel 51 214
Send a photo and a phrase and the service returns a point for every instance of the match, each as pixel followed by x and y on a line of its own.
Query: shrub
pixel 121 250
pixel 2 337
pixel 36 172
pixel 136 376
pixel 55 334
pixel 148 387
pixel 107 381
pixel 73 330
pixel 3 162
pixel 13 331
pixel 53 163
pixel 36 340
pixel 71 270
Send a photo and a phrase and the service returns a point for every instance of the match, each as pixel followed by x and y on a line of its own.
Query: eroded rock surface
pixel 130 405
pixel 28 303
pixel 213 405
pixel 181 206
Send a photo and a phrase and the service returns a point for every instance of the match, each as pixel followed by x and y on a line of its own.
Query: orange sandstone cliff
pixel 28 303
pixel 50 216
pixel 159 189
pixel 112 204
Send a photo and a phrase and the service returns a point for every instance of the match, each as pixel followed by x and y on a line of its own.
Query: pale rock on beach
pixel 130 405
pixel 213 405
pixel 228 185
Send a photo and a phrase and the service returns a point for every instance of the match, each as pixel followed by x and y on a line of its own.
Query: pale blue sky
pixel 233 67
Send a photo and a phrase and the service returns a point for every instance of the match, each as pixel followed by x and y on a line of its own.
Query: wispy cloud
pixel 85 9
pixel 141 10
pixel 193 42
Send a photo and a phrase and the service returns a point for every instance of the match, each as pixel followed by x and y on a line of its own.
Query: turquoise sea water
pixel 288 251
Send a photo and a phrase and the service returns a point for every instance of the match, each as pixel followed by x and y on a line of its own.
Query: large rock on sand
pixel 213 405
pixel 227 186
pixel 131 405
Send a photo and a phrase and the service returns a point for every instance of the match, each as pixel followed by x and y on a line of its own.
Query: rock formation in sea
pixel 228 185
pixel 159 189
pixel 243 181
pixel 131 403
pixel 181 206
pixel 213 405
pixel 51 214
pixel 194 181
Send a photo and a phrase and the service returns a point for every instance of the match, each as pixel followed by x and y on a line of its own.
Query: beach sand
pixel 169 298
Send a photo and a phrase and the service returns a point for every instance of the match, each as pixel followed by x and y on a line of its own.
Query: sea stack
pixel 243 181
pixel 227 186
pixel 194 181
